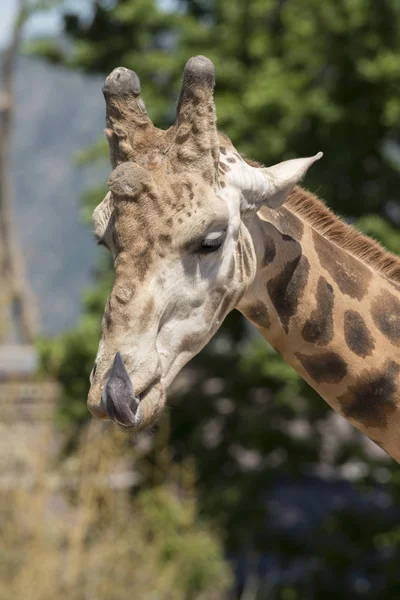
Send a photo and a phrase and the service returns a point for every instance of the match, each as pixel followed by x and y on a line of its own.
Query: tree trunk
pixel 16 304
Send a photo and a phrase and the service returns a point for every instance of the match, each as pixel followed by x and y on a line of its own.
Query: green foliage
pixel 292 78
pixel 48 49
pixel 92 154
pixel 172 527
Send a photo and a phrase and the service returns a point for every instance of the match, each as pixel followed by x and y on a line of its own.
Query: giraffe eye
pixel 212 242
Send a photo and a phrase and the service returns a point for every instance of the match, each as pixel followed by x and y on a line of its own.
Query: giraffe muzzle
pixel 118 398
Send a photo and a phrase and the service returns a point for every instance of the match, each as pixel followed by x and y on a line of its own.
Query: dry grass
pixel 78 537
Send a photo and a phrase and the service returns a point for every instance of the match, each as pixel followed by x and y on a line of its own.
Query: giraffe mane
pixel 309 207
pixel 313 211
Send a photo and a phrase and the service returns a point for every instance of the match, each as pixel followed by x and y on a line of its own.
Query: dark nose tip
pixel 118 398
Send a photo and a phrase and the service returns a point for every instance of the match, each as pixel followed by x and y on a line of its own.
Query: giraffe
pixel 196 230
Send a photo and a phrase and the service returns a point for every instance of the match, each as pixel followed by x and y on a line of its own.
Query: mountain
pixel 57 113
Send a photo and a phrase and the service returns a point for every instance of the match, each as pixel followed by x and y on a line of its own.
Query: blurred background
pixel 252 488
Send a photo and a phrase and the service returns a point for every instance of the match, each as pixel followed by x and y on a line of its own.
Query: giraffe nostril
pixel 118 398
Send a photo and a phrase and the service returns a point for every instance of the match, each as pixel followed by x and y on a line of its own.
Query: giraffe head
pixel 176 221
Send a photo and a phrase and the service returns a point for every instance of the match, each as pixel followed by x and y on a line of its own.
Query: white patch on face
pixel 232 197
pixel 191 283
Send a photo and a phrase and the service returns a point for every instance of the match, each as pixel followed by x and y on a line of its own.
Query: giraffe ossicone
pixel 196 231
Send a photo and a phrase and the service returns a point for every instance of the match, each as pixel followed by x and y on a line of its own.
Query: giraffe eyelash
pixel 212 242
pixel 99 240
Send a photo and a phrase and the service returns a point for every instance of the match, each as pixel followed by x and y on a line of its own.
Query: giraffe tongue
pixel 118 398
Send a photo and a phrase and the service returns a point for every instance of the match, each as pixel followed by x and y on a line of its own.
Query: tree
pixel 15 298
pixel 292 78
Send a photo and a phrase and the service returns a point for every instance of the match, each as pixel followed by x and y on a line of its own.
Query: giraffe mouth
pixel 119 401
pixel 118 398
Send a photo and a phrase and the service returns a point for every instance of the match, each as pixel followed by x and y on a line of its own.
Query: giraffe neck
pixel 333 318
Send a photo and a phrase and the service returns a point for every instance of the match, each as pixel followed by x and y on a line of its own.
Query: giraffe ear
pixel 270 186
pixel 284 176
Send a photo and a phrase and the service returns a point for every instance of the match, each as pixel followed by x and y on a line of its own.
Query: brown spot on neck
pixel 373 397
pixel 287 288
pixel 325 367
pixel 350 274
pixel 357 335
pixel 385 312
pixel 319 327
pixel 269 251
pixel 258 314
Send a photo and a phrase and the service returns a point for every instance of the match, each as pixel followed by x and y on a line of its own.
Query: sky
pixel 7 10
pixel 46 23
pixel 42 23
